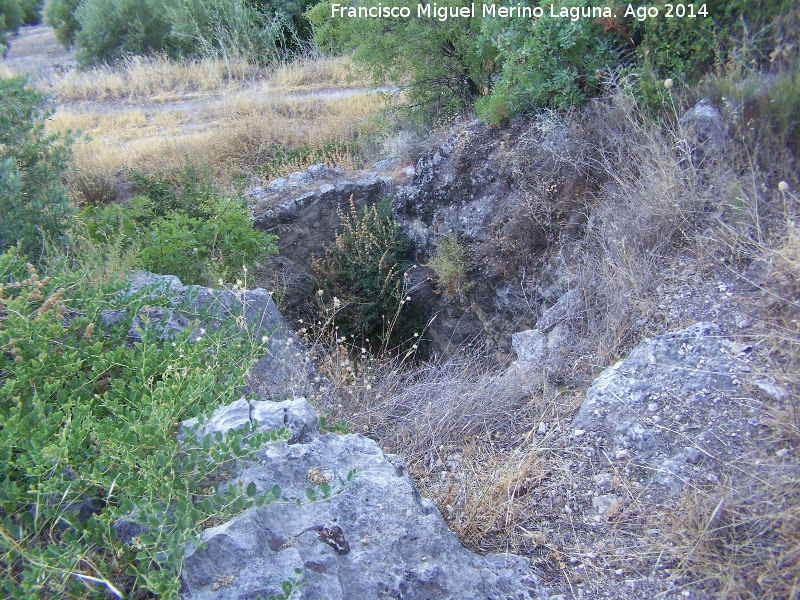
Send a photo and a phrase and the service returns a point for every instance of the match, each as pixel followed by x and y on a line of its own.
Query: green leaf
pixel 251 489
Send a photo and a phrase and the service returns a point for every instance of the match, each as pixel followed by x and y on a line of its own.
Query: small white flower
pixel 668 83
pixel 264 339
pixel 783 187
pixel 202 331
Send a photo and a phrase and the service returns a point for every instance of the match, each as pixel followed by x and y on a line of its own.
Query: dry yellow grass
pixel 316 74
pixel 160 79
pixel 235 134
pixel 155 78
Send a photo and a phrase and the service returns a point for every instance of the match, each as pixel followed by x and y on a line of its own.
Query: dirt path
pixel 36 51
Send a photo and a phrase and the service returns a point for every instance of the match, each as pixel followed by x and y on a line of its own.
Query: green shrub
pixel 31 11
pixel 362 276
pixel 88 438
pixel 229 29
pixel 188 229
pixel 33 202
pixel 60 15
pixel 451 263
pixel 549 62
pixel 3 38
pixel 445 64
pixel 109 30
pixel 13 14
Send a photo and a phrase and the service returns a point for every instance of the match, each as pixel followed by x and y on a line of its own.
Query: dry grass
pixel 466 431
pixel 161 79
pixel 155 78
pixel 316 73
pixel 236 135
pixel 154 113
pixel 740 539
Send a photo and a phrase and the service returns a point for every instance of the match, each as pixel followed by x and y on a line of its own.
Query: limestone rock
pixel 297 415
pixel 376 539
pixel 671 405
pixel 702 126
pixel 285 370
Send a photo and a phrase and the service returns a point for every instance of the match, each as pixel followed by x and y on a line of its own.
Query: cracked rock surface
pixel 284 371
pixel 377 538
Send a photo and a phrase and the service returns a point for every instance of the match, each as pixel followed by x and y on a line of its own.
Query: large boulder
pixel 374 537
pixel 285 370
pixel 672 406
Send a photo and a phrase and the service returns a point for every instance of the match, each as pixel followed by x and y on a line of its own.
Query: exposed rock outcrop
pixel 672 404
pixel 376 539
pixel 509 195
pixel 284 371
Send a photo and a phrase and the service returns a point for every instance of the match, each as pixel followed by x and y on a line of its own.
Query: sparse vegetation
pixel 650 222
pixel 451 264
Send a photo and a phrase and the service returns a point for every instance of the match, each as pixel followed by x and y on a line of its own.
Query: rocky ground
pixel 614 486
pixel 654 446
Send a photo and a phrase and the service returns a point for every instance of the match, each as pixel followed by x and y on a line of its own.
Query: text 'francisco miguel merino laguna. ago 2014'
pixel 573 13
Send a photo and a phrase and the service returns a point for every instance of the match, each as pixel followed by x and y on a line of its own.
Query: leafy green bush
pixel 549 62
pixel 446 64
pixel 31 11
pixel 33 202
pixel 107 30
pixel 362 276
pixel 60 15
pixel 112 29
pixel 13 15
pixel 88 439
pixel 187 229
